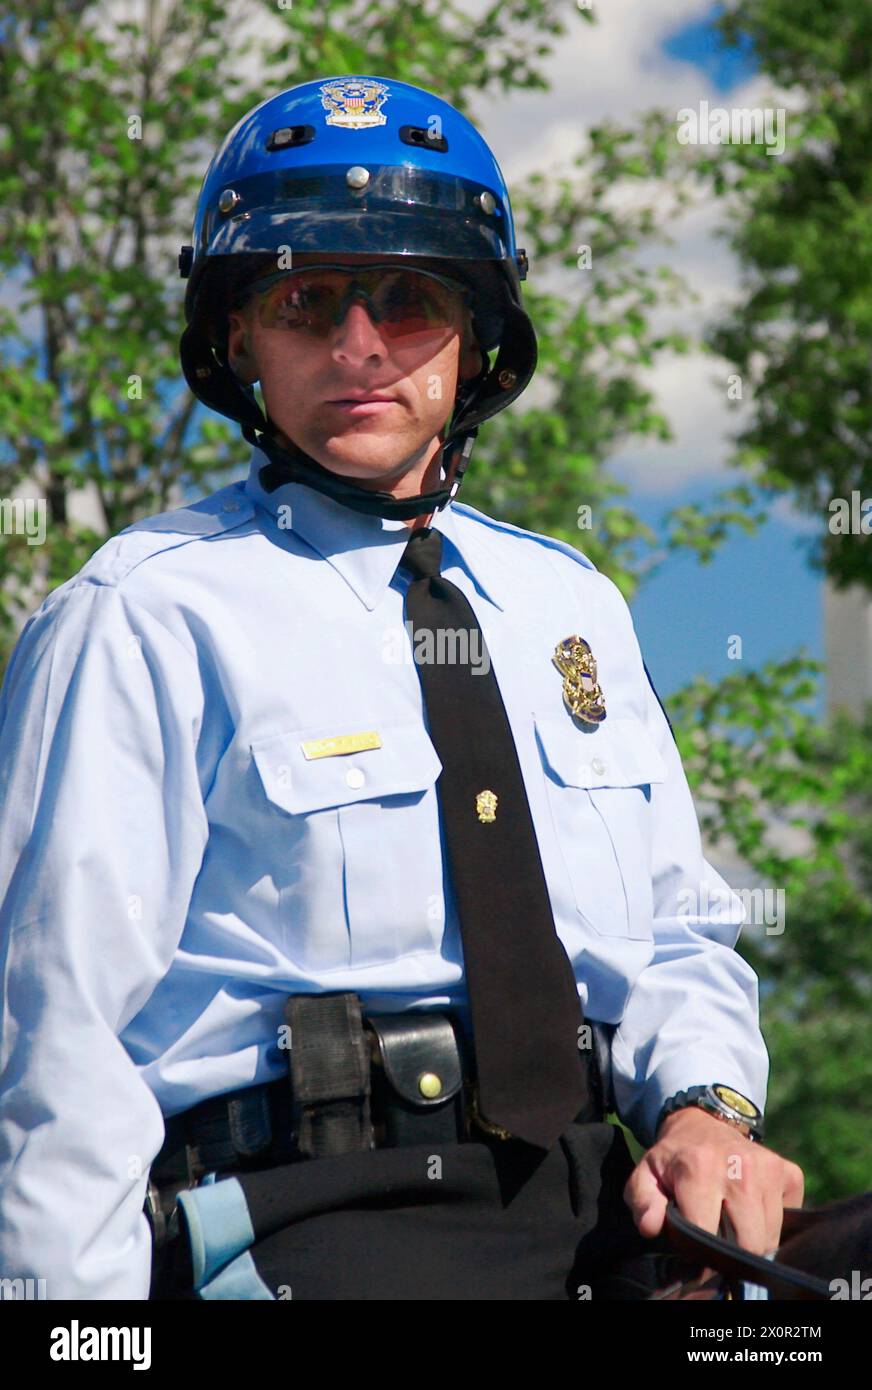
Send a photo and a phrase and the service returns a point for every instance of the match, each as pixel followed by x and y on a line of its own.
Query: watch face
pixel 736 1101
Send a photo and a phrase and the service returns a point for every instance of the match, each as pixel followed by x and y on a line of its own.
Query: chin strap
pixel 291 464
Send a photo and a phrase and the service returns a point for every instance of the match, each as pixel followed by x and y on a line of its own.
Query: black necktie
pixel 522 992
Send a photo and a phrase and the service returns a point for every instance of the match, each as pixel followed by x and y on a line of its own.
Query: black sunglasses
pixel 315 298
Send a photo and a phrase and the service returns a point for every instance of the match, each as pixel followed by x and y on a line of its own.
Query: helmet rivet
pixel 486 201
pixel 357 176
pixel 228 200
pixel 202 372
pixel 507 378
pixel 430 1085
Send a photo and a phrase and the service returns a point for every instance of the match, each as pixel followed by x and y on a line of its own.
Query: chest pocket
pixel 599 787
pixel 360 832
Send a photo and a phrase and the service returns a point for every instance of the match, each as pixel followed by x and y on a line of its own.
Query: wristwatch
pixel 724 1102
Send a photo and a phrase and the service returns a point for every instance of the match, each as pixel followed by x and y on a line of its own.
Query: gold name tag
pixel 342 743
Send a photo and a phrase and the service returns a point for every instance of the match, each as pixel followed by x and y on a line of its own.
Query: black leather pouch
pixel 418 1091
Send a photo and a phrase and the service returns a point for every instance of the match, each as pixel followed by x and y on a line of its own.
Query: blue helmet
pixel 356 164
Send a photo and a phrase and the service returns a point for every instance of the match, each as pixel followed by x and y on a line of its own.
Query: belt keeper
pixel 249 1120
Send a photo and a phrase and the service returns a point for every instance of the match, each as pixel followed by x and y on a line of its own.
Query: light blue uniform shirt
pixel 172 866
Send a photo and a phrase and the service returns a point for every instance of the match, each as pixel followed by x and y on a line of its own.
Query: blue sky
pixel 758 587
pixel 700 44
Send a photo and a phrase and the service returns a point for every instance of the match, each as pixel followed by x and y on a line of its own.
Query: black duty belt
pixel 353 1082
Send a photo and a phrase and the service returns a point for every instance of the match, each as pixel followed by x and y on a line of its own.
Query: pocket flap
pixel 411 1046
pixel 617 753
pixel 406 762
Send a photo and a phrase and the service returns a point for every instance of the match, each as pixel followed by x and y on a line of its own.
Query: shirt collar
pixel 366 550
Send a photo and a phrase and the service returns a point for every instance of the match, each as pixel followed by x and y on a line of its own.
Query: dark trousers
pixel 490 1219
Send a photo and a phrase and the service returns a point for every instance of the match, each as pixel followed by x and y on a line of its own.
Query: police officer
pixel 349 872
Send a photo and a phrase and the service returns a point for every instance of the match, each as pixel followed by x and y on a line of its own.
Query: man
pixel 344 838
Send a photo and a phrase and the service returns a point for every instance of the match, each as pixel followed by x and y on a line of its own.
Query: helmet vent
pixel 423 137
pixel 289 135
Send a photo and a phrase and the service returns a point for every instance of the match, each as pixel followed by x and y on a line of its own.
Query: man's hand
pixel 702 1164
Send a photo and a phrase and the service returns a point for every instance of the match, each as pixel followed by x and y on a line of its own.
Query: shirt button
pixel 598 766
pixel 230 507
pixel 355 777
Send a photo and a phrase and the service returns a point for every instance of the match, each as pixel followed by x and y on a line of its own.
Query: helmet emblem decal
pixel 354 104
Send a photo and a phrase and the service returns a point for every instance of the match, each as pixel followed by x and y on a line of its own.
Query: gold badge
pixel 575 661
pixel 486 806
pixel 354 103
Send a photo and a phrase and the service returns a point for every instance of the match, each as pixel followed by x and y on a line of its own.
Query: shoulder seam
pixel 549 542
pixel 179 541
pixel 114 586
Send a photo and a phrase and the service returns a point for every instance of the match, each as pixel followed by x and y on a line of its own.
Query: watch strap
pixel 705 1098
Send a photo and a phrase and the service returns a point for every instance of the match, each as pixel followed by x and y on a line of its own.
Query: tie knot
pixel 422 556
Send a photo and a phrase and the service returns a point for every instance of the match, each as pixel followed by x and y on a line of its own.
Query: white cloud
pixel 784 510
pixel 691 392
pixel 614 68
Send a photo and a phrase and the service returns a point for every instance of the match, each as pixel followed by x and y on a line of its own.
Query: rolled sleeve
pixel 692 1017
pixel 102 833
